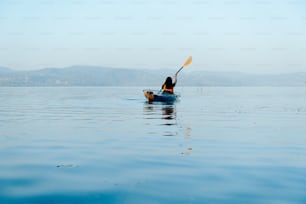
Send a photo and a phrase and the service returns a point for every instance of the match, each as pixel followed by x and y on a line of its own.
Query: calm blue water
pixel 107 145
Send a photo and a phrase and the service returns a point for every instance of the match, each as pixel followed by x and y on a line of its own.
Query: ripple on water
pixel 215 145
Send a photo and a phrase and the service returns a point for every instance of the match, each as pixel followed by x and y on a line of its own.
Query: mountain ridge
pixel 82 75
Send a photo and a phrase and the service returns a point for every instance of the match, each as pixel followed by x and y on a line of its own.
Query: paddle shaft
pixel 179 70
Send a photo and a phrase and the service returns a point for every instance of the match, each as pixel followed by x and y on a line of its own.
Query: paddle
pixel 187 62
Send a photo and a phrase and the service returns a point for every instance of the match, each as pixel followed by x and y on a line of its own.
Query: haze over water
pixel 215 145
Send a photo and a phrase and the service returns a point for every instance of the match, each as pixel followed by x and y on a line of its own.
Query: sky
pixel 259 36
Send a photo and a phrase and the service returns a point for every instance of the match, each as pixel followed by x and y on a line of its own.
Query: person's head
pixel 168 81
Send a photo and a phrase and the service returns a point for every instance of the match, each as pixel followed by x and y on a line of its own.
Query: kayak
pixel 159 96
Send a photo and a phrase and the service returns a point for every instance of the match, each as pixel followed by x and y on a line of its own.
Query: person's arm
pixel 174 80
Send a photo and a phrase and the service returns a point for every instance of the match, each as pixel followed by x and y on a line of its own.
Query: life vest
pixel 167 90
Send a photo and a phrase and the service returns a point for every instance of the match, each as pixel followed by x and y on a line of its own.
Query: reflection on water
pixel 163 118
pixel 168 112
pixel 187 132
pixel 163 114
pixel 165 111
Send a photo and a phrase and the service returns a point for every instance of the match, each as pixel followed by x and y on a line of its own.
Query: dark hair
pixel 168 82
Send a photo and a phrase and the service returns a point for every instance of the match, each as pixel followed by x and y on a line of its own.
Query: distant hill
pixel 101 76
pixel 202 78
pixel 4 70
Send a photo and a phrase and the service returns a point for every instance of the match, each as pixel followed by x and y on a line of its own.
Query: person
pixel 168 86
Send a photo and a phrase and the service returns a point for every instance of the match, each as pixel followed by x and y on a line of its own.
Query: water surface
pixel 215 145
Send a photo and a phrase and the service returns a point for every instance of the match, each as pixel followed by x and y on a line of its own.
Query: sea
pixel 109 145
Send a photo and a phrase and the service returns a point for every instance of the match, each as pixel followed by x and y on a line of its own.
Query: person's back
pixel 168 86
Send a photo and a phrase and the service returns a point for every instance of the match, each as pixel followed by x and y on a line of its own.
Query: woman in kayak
pixel 169 85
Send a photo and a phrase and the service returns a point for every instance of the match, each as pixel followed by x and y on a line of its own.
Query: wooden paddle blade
pixel 188 61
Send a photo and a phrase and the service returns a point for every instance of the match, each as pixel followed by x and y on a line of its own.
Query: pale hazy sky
pixel 260 36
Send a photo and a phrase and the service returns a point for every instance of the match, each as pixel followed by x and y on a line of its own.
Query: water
pixel 107 145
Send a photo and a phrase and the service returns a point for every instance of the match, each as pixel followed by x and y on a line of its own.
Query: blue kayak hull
pixel 160 96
